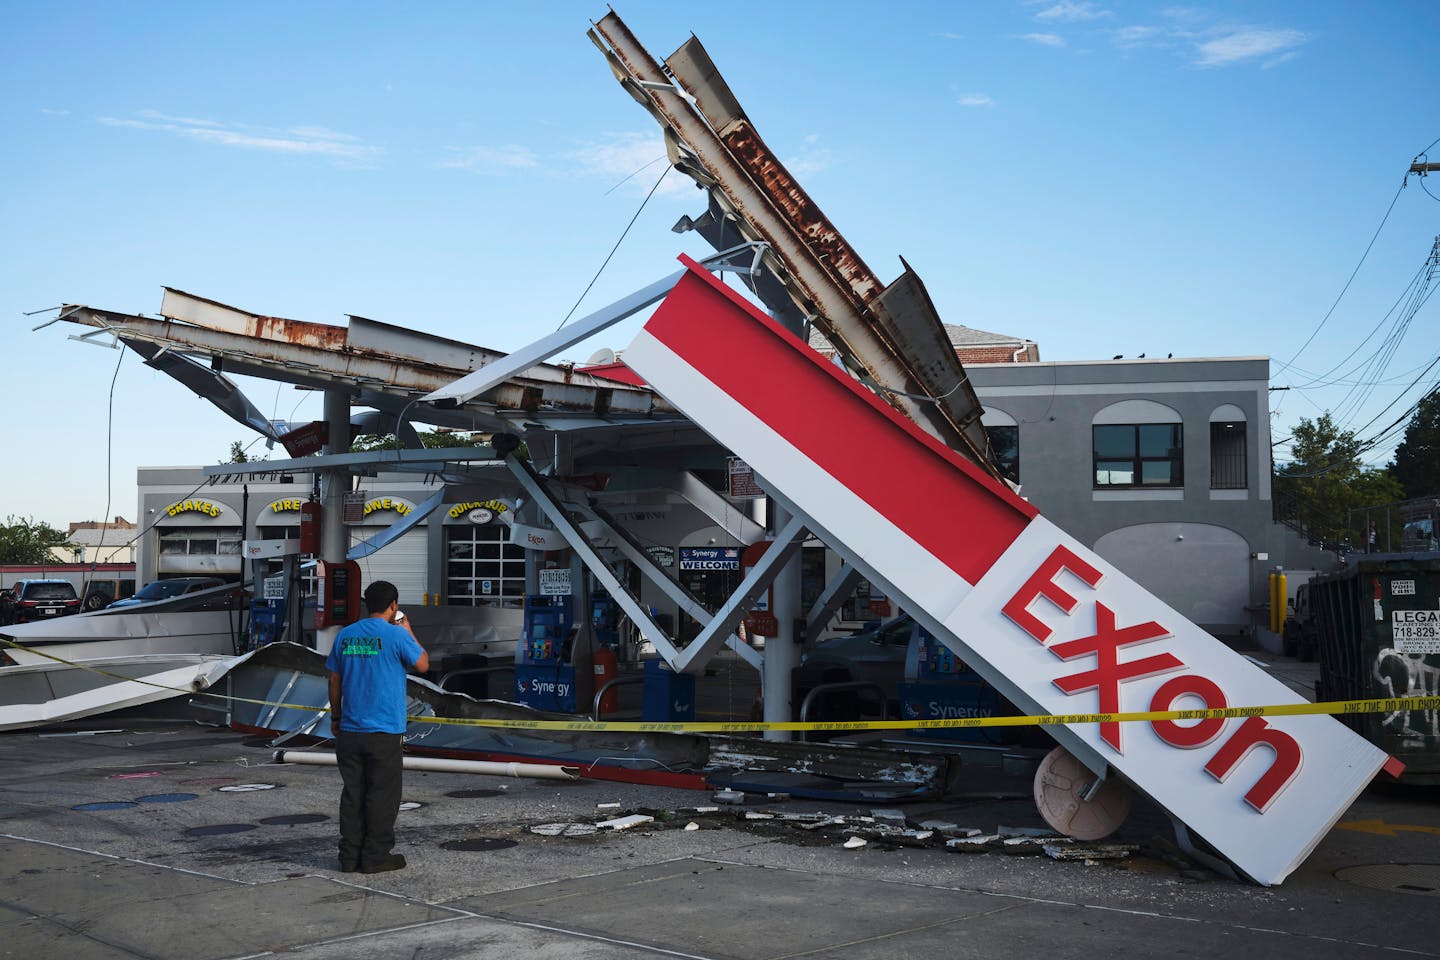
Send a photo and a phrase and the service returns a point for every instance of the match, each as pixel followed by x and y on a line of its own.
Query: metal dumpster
pixel 1378 626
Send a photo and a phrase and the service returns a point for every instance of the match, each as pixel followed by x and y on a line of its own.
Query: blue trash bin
pixel 668 696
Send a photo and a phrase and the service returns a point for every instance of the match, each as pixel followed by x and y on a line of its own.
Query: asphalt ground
pixel 173 840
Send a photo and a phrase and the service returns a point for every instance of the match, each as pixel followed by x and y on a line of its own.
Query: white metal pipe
pixel 489 768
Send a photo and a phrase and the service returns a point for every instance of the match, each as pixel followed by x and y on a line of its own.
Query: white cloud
pixel 813 159
pixel 949 36
pixel 975 100
pixel 1072 11
pixel 184 121
pixel 1137 36
pixel 1044 39
pixel 1248 44
pixel 634 159
pixel 339 148
pixel 505 158
pixel 54 113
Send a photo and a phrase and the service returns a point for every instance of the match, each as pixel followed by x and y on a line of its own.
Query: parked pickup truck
pixel 1299 635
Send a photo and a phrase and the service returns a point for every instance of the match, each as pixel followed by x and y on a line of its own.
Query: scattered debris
pixel 610 805
pixel 565 829
pixel 1089 851
pixel 757 815
pixel 947 829
pixel 729 796
pixel 976 844
pixel 888 816
pixel 625 823
pixel 854 843
pixel 692 825
pixel 1026 832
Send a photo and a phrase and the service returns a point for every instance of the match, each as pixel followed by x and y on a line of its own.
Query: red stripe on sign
pixel 949 506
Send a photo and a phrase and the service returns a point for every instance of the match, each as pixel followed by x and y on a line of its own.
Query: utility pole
pixel 1424 168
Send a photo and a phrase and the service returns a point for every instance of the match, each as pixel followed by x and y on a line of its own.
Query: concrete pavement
pixel 178 841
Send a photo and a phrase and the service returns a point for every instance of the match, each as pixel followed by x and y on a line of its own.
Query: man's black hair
pixel 379 595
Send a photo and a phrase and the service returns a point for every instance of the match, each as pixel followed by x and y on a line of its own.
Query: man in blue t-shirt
pixel 367 715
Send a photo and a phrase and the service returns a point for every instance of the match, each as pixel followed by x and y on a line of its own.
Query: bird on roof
pixel 1118 356
pixel 1141 357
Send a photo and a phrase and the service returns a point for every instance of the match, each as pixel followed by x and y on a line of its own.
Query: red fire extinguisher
pixel 606 668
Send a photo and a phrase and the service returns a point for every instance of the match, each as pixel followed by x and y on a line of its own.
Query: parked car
pixel 29 600
pixel 100 593
pixel 166 589
pixel 875 654
pixel 1298 636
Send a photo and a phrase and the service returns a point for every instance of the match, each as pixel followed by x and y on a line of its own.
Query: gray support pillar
pixel 583 656
pixel 334 484
pixel 782 652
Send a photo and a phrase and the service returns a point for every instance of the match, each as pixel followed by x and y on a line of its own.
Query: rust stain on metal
pixel 821 236
pixel 300 332
pixel 530 399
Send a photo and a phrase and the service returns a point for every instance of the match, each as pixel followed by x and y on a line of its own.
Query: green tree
pixel 237 453
pixel 1325 482
pixel 431 439
pixel 1417 459
pixel 27 540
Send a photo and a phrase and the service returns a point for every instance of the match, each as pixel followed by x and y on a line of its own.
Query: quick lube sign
pixel 1048 622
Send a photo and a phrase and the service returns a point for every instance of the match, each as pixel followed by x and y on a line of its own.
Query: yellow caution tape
pixel 1333 707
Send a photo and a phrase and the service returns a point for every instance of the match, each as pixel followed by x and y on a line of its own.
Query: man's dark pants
pixel 370 766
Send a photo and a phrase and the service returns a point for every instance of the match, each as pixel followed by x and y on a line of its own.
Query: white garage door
pixel 401 562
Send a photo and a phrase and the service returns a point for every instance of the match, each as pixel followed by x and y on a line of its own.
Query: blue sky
pixel 1100 177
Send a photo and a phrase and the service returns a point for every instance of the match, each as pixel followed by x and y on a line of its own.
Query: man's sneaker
pixel 393 862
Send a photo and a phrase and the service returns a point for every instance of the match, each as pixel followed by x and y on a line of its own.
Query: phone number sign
pixel 1415 631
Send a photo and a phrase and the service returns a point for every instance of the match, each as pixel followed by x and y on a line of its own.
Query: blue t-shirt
pixel 371 655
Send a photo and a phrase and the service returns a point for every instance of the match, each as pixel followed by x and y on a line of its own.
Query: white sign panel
pixel 266 549
pixel 275 588
pixel 536 538
pixel 1052 625
pixel 1415 631
pixel 555 583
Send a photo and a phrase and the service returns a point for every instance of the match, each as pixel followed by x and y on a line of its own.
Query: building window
pixel 483 568
pixel 1227 456
pixel 1005 450
pixel 1138 455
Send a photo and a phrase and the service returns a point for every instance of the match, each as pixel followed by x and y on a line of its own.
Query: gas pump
pixel 270 601
pixel 544 677
pixel 940 686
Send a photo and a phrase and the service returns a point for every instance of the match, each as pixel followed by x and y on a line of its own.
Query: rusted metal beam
pixel 364 370
pixel 822 273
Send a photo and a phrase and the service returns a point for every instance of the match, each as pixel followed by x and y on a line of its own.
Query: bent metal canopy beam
pixel 891 337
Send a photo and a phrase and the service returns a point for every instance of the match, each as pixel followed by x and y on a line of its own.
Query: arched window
pixel 1227 448
pixel 1138 444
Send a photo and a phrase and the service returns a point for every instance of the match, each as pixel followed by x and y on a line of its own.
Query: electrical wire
pixel 1368 247
pixel 623 234
pixel 109 447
